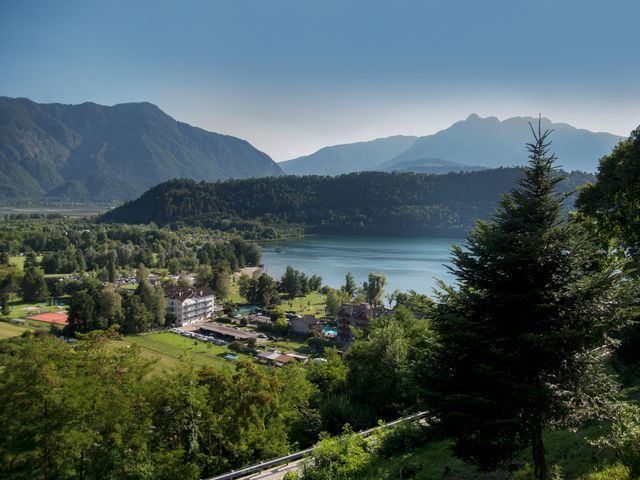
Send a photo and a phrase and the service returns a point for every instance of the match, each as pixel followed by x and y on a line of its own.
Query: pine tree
pixel 535 296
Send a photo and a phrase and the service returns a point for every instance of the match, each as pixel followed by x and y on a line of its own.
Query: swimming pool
pixel 328 331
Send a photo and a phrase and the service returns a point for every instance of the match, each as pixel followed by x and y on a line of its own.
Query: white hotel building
pixel 188 305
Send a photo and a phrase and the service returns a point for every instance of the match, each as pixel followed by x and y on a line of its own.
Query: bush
pixel 624 438
pixel 404 437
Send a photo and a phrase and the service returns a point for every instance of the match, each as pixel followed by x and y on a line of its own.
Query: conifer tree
pixel 519 334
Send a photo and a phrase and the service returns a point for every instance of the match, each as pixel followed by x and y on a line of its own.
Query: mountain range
pixel 90 152
pixel 467 145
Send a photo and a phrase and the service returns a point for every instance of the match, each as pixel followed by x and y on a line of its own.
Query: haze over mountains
pixel 91 152
pixel 94 153
pixel 466 145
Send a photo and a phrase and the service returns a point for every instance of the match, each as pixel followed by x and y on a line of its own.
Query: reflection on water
pixel 409 263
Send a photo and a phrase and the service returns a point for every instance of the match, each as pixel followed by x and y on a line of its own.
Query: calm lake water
pixel 408 263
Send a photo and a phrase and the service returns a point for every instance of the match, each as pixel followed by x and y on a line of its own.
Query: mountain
pixel 91 152
pixel 365 203
pixel 492 143
pixel 470 144
pixel 352 157
pixel 430 166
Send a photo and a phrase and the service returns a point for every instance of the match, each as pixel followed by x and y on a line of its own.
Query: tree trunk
pixel 539 464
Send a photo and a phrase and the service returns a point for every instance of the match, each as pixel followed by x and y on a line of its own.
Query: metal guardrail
pixel 259 467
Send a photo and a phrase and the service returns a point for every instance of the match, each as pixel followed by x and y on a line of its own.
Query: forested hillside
pixel 372 203
pixel 92 152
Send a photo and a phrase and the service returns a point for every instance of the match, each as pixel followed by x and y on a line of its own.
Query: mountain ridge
pixel 472 143
pixel 111 153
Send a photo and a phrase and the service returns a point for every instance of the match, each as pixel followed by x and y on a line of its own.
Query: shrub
pixel 404 437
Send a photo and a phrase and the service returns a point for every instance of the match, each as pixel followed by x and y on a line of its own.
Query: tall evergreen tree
pixel 535 298
pixel 33 286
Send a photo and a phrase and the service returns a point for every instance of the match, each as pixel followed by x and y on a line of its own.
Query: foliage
pixel 613 201
pixel 262 291
pixel 33 286
pixel 374 288
pixel 339 458
pixel 91 411
pixel 536 297
pixel 360 203
pixel 624 438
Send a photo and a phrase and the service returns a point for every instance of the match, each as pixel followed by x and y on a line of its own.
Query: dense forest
pixel 371 203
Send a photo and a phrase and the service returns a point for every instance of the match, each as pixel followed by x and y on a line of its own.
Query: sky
pixel 292 76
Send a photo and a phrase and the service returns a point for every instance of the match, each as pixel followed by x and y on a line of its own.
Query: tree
pixel 109 306
pixel 137 318
pixel 335 298
pixel 220 279
pixel 290 282
pixel 33 286
pixel 614 200
pixel 535 297
pixel 204 276
pixel 82 312
pixel 350 285
pixel 9 280
pixel 374 288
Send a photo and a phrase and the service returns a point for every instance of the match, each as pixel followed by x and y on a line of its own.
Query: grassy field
pixel 8 330
pixel 169 348
pixel 20 309
pixel 18 260
pixel 234 291
pixel 311 304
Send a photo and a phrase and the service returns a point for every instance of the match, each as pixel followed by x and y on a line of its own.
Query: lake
pixel 408 263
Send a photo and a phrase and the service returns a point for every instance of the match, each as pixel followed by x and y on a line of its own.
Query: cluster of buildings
pixel 189 305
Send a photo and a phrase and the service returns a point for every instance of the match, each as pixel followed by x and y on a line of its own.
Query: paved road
pixel 276 473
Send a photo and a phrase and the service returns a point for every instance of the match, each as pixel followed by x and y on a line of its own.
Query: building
pixel 223 332
pixel 186 305
pixel 274 358
pixel 258 319
pixel 302 325
pixel 357 316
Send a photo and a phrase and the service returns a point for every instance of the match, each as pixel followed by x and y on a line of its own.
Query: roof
pixel 306 320
pixel 184 293
pixel 275 357
pixel 227 331
pixel 362 310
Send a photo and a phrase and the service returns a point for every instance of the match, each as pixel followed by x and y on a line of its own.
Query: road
pixel 276 473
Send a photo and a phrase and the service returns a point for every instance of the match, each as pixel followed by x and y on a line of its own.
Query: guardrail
pixel 292 457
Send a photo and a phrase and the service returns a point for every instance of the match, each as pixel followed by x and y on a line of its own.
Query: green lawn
pixel 18 309
pixel 18 260
pixel 311 304
pixel 234 291
pixel 8 330
pixel 168 348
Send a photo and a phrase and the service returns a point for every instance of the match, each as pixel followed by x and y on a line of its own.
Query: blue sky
pixel 293 76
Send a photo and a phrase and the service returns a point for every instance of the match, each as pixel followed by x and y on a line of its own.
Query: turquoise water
pixel 329 330
pixel 408 263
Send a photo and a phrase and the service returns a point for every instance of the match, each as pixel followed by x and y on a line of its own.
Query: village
pixel 216 332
